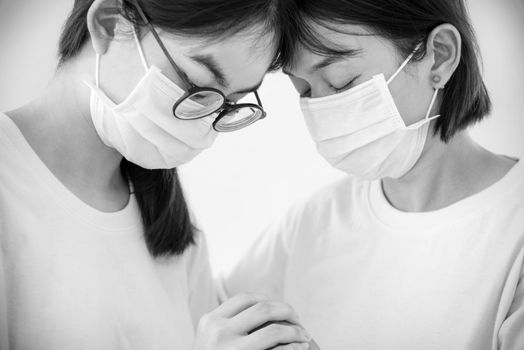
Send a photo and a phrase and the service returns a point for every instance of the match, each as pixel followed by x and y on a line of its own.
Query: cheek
pixel 301 86
pixel 412 99
pixel 120 71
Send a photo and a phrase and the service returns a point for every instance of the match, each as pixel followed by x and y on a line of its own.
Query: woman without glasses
pixel 421 246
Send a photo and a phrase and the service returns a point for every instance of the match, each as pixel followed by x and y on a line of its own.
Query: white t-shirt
pixel 364 275
pixel 72 277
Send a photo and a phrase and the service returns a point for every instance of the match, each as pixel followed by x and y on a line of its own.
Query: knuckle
pixel 217 335
pixel 281 347
pixel 260 296
pixel 244 298
pixel 205 321
pixel 276 331
pixel 264 308
pixel 289 309
pixel 293 346
pixel 296 332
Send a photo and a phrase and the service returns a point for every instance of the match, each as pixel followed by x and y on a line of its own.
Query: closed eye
pixel 306 93
pixel 347 86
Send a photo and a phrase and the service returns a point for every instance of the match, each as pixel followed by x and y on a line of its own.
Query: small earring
pixel 436 79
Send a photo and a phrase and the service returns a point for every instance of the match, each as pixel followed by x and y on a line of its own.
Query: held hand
pixel 236 325
pixel 312 345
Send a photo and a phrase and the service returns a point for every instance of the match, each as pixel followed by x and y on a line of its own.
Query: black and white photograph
pixel 261 175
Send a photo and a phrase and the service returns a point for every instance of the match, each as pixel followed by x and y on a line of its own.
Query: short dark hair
pixel 406 23
pixel 168 229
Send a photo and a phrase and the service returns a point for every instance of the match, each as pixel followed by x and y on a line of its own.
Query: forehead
pixel 360 40
pixel 244 57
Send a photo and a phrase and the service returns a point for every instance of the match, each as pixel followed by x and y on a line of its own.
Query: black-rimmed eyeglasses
pixel 200 102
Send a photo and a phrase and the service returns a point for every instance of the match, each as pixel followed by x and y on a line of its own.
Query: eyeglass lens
pixel 238 118
pixel 199 104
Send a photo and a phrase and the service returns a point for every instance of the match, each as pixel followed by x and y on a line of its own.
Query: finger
pixel 262 313
pixel 313 345
pixel 294 346
pixel 275 335
pixel 237 304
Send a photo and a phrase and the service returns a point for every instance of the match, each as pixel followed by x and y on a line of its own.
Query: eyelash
pixel 337 90
pixel 347 86
pixel 306 93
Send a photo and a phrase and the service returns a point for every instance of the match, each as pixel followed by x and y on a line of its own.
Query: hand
pixel 236 325
pixel 312 345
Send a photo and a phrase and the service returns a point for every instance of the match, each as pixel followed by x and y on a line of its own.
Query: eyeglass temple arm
pixel 258 98
pixel 157 38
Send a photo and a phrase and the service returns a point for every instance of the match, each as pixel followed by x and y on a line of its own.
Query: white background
pixel 249 178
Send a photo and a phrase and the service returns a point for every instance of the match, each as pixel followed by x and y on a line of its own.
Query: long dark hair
pixel 168 229
pixel 406 23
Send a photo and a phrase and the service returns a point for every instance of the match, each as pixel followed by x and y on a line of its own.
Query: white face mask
pixel 143 128
pixel 360 131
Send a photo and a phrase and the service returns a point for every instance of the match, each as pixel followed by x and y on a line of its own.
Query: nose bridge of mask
pixel 427 118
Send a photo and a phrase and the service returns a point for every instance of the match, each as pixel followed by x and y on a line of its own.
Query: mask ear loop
pixel 140 50
pixel 404 64
pixel 433 99
pixel 97 70
pixel 427 118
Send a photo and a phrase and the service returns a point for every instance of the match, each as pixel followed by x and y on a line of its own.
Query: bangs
pixel 305 34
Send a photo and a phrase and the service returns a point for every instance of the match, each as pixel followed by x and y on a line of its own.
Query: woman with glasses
pixel 98 249
pixel 421 245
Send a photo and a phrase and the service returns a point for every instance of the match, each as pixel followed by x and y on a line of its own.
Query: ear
pixel 444 44
pixel 103 19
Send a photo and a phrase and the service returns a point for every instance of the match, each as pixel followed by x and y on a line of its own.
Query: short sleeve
pixel 203 296
pixel 511 333
pixel 262 268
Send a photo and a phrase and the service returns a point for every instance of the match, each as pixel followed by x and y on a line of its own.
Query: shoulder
pixel 513 186
pixel 501 210
pixel 336 200
pixel 8 129
pixel 342 193
pixel 12 140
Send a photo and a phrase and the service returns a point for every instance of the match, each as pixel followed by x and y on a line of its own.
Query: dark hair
pixel 406 23
pixel 168 229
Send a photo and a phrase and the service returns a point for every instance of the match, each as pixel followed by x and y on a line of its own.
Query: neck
pixel 445 174
pixel 59 127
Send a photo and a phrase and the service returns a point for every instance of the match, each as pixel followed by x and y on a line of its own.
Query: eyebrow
pixel 327 61
pixel 251 89
pixel 211 64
